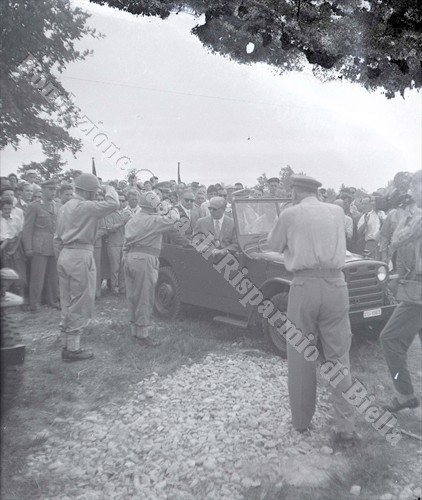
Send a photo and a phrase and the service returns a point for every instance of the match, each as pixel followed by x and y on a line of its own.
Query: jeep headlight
pixel 382 273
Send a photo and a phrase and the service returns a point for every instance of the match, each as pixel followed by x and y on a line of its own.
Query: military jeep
pixel 188 275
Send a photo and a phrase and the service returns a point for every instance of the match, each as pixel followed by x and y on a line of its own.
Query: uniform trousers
pixel 77 280
pixel 141 275
pixel 99 280
pixel 319 304
pixel 116 271
pixel 43 278
pixel 396 338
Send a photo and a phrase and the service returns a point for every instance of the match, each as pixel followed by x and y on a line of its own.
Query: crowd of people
pixel 30 206
pixel 65 240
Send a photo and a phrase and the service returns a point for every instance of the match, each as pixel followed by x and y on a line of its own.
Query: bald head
pixel 217 206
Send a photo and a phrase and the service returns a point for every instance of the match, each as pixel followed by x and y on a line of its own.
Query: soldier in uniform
pixel 312 237
pixel 38 235
pixel 74 244
pixel 143 239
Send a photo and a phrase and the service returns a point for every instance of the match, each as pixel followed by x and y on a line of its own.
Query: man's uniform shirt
pixel 78 219
pixel 311 235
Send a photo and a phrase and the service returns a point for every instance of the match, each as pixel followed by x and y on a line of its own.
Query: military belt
pixel 79 246
pixel 155 252
pixel 319 273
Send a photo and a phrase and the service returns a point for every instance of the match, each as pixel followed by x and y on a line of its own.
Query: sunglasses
pixel 189 199
pixel 211 209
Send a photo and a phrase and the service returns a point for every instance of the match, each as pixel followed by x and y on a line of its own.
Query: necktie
pixel 217 227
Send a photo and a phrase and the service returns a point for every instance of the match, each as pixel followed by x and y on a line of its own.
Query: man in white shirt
pixel 16 213
pixel 368 227
pixel 11 253
pixel 133 202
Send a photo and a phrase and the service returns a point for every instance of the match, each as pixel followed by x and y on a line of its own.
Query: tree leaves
pixel 376 44
pixel 46 29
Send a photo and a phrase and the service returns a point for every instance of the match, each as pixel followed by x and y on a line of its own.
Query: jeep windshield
pixel 255 218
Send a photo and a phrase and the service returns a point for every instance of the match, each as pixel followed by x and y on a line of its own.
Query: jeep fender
pixel 269 288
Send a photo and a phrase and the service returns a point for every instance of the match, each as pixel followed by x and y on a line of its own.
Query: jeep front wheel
pixel 167 294
pixel 276 340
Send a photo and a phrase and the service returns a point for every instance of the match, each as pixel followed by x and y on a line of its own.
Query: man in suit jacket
pixel 220 225
pixel 38 234
pixel 189 214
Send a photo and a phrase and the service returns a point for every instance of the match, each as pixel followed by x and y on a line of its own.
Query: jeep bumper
pixel 371 316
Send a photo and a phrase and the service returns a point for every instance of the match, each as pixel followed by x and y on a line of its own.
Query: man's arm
pixel 277 239
pixel 103 208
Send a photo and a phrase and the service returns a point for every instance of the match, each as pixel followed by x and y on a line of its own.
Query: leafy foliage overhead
pixel 47 31
pixel 375 43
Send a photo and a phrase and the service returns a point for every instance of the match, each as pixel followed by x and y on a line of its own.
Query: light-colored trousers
pixel 141 275
pixel 116 271
pixel 319 305
pixel 77 281
pixel 97 258
pixel 43 278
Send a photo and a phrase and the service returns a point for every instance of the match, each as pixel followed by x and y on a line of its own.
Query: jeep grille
pixel 365 291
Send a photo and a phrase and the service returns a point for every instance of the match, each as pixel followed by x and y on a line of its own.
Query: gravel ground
pixel 205 432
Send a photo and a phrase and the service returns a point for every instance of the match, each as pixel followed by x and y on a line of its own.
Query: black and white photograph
pixel 211 249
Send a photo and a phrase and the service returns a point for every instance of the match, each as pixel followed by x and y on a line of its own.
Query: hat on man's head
pixel 304 182
pixel 274 179
pixel 49 183
pixel 31 172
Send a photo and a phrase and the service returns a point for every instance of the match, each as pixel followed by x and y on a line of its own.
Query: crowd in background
pixel 30 207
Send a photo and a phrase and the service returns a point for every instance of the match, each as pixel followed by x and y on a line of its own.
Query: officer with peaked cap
pixel 38 235
pixel 74 241
pixel 311 235
pixel 143 239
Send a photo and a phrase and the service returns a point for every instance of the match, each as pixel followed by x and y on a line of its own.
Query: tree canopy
pixel 44 33
pixel 375 43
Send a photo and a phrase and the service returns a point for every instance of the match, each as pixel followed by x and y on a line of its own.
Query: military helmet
pixel 149 200
pixel 87 182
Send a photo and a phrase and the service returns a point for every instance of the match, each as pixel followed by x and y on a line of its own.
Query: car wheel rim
pixel 165 295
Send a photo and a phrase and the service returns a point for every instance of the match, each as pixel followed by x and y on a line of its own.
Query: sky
pixel 162 98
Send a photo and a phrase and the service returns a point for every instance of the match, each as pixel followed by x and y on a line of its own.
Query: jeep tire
pixel 277 341
pixel 167 295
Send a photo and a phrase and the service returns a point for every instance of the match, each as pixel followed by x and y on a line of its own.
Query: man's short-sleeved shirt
pixel 311 235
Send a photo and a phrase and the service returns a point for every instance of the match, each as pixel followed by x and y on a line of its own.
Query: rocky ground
pixel 213 430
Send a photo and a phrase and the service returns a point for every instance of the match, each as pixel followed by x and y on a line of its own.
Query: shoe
pixel 305 429
pixel 55 305
pixel 80 355
pixel 148 341
pixel 151 342
pixel 396 406
pixel 33 309
pixel 346 439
